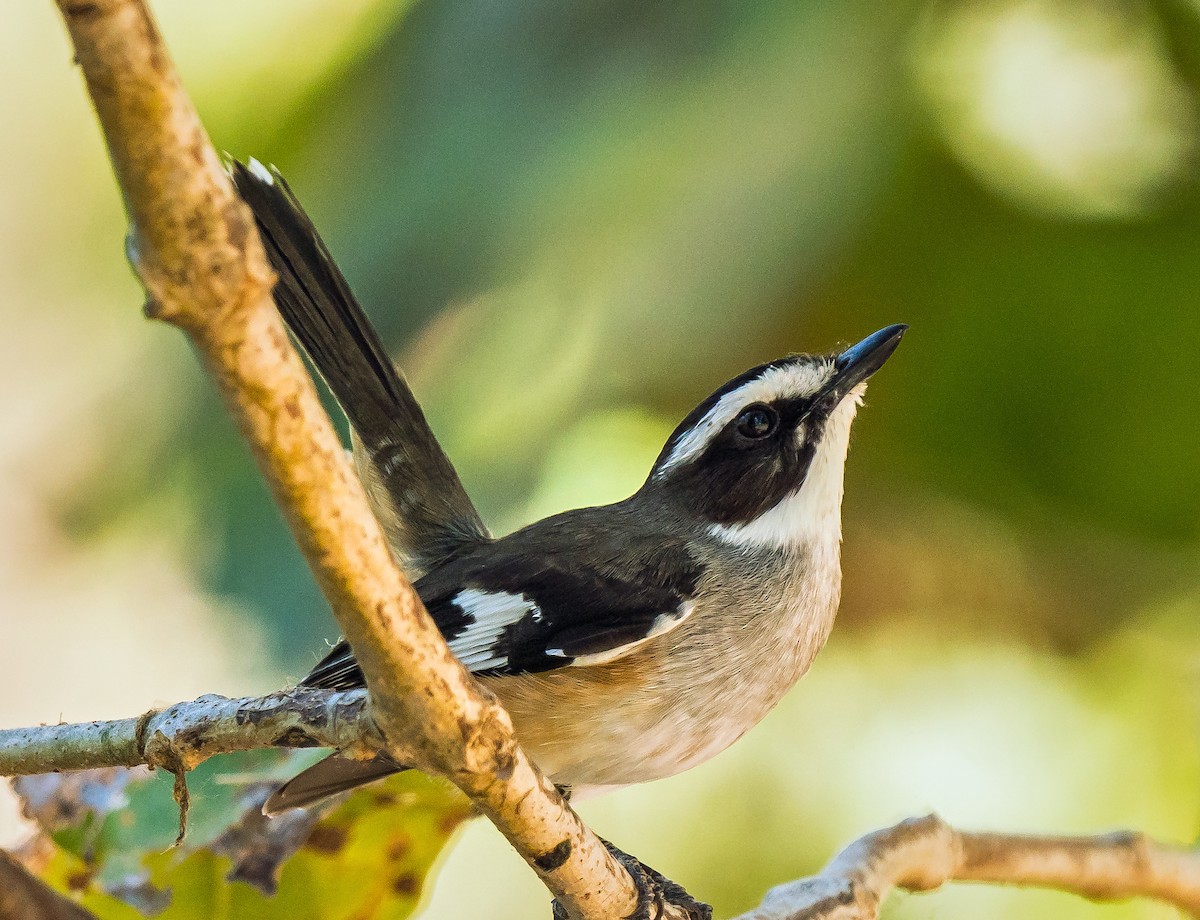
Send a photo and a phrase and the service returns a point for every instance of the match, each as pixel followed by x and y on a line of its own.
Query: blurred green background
pixel 571 221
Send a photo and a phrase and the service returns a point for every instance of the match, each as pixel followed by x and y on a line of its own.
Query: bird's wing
pixel 524 613
pixel 548 616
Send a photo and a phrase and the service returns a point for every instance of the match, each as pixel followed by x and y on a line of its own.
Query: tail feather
pixel 318 306
pixel 328 777
pixel 415 488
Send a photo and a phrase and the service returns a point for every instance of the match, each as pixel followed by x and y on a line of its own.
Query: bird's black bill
pixel 858 362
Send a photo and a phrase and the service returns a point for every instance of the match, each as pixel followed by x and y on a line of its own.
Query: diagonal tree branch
pixel 194 245
pixel 922 854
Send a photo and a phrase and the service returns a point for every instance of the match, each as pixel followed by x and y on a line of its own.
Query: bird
pixel 629 641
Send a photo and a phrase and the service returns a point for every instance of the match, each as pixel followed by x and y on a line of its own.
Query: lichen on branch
pixel 184 735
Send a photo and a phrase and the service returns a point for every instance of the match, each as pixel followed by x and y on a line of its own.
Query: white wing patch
pixel 478 647
pixel 775 382
pixel 494 612
pixel 663 623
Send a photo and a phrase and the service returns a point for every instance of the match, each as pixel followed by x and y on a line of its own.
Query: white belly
pixel 683 698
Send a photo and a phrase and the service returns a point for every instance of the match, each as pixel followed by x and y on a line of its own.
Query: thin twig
pixel 195 248
pixel 922 854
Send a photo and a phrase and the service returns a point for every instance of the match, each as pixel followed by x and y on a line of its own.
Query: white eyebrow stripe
pixel 793 379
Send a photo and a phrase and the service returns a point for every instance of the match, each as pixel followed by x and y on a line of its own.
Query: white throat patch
pixel 796 379
pixel 814 511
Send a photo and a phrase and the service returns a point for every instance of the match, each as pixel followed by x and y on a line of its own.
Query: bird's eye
pixel 757 422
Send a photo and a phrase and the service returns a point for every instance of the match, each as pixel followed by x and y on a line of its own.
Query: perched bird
pixel 630 641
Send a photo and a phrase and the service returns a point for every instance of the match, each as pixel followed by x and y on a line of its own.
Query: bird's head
pixel 761 459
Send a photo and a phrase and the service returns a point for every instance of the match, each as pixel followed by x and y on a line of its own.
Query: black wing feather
pixel 580 611
pixel 336 671
pixel 598 638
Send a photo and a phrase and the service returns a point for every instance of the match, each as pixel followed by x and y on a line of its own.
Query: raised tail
pixel 327 777
pixel 417 494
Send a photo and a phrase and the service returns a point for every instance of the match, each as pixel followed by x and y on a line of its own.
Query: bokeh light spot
pixel 1065 109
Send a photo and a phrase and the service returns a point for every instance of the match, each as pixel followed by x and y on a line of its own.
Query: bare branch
pixel 922 854
pixel 184 735
pixel 24 897
pixel 196 250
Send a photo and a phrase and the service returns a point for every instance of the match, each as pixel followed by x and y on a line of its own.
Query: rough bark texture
pixel 194 246
pixel 181 736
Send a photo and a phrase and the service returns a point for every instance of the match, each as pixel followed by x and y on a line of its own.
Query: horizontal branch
pixel 922 854
pixel 181 736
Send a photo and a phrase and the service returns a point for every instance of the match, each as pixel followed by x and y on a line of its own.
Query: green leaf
pixel 368 856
